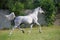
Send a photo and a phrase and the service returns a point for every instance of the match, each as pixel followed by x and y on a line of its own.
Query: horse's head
pixel 40 10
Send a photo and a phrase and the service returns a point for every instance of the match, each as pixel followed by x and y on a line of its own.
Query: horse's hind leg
pixel 21 29
pixel 16 25
pixel 12 30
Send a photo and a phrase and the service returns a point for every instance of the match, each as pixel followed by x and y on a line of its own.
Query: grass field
pixel 49 33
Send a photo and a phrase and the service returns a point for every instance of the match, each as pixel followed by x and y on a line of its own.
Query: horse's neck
pixel 35 13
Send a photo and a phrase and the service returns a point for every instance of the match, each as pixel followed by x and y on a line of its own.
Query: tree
pixel 18 5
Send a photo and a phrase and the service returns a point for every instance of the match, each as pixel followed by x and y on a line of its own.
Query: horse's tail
pixel 10 16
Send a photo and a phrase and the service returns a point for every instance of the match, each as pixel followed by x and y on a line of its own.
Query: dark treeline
pixel 50 7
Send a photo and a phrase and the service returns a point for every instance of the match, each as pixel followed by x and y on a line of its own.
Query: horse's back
pixel 24 19
pixel 18 19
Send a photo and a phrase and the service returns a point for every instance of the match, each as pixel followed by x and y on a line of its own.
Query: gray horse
pixel 28 19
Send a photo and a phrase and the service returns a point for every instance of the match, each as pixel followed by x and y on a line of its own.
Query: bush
pixel 50 10
pixel 15 6
pixel 18 5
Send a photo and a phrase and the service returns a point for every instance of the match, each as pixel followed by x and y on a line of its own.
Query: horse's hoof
pixel 23 31
pixel 40 31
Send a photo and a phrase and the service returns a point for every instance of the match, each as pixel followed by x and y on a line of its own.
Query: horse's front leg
pixel 39 27
pixel 31 25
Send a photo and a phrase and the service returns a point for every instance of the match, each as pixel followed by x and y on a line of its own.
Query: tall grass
pixel 48 33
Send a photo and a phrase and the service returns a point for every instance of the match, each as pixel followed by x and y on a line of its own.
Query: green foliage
pixel 50 10
pixel 15 6
pixel 31 4
pixel 28 4
pixel 58 4
pixel 48 33
pixel 2 3
pixel 19 5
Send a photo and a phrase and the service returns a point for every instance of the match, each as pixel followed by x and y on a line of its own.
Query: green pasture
pixel 48 33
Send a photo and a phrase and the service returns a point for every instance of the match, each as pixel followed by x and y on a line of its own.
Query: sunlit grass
pixel 48 33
